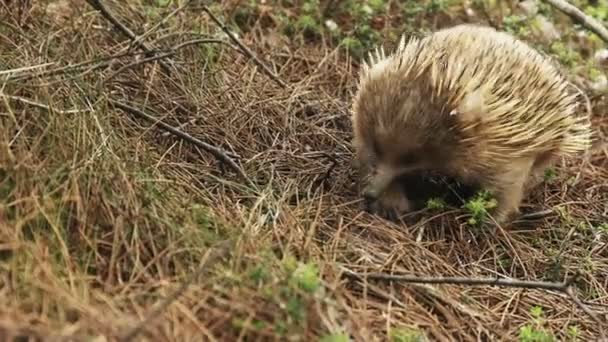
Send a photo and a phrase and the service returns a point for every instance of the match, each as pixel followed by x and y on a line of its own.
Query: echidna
pixel 470 102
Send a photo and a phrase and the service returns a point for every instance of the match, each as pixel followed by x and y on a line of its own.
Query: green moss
pixel 564 54
pixel 406 335
pixel 339 337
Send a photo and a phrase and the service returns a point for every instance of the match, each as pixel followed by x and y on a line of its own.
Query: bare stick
pixel 42 105
pixel 167 54
pixel 564 287
pixel 245 49
pixel 25 68
pixel 570 292
pixel 218 153
pixel 561 287
pixel 98 5
pixel 579 16
pixel 90 65
pixel 103 62
pixel 213 256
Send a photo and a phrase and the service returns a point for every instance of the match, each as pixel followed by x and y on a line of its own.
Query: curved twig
pixel 218 153
pixel 98 5
pixel 579 16
pixel 245 49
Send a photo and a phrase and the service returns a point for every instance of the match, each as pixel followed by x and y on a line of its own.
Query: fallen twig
pixel 579 16
pixel 106 61
pixel 213 256
pixel 42 105
pixel 167 54
pixel 245 49
pixel 218 153
pixel 466 281
pixel 98 5
pixel 564 287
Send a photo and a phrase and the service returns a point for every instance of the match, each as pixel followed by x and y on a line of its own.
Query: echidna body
pixel 470 102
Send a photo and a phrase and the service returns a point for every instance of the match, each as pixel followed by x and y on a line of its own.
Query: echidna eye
pixel 376 148
pixel 408 158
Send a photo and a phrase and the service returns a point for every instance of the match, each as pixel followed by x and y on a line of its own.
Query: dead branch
pixel 561 287
pixel 213 256
pixel 42 105
pixel 102 62
pixel 218 153
pixel 565 287
pixel 98 5
pixel 90 65
pixel 245 49
pixel 579 16
pixel 167 54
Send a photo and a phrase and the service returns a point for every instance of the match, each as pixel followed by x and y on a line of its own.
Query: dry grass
pixel 103 215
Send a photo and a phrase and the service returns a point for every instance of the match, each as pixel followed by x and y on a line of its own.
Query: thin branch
pixel 97 63
pixel 167 54
pixel 213 256
pixel 98 5
pixel 218 153
pixel 25 68
pixel 561 287
pixel 570 292
pixel 245 49
pixel 579 16
pixel 102 62
pixel 139 62
pixel 565 287
pixel 42 105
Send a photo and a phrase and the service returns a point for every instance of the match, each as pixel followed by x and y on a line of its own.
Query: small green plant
pixel 598 12
pixel 406 335
pixel 412 8
pixel 377 5
pixel 308 24
pixel 339 337
pixel 435 6
pixel 515 24
pixel 306 277
pixel 296 309
pixel 478 207
pixel 353 45
pixel 565 54
pixel 309 21
pixel 534 332
pixel 573 333
pixel 594 73
pixel 550 175
pixel 435 204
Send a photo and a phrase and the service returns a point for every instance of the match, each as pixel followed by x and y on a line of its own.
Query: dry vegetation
pixel 103 215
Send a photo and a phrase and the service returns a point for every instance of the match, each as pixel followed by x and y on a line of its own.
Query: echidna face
pixel 392 154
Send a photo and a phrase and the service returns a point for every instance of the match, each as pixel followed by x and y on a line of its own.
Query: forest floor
pixel 113 228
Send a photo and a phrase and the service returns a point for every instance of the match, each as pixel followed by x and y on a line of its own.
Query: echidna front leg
pixel 541 164
pixel 383 195
pixel 509 190
pixel 390 205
